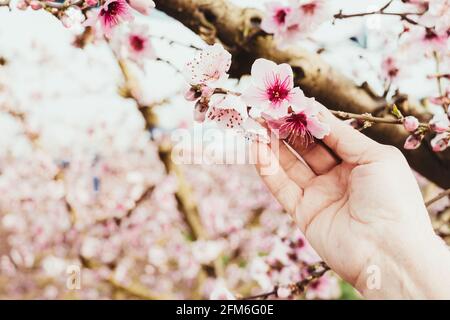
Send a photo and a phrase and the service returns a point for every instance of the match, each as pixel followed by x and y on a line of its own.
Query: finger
pixel 317 155
pixel 286 191
pixel 346 142
pixel 295 168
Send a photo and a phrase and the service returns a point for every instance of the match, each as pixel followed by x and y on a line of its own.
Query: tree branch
pixel 239 31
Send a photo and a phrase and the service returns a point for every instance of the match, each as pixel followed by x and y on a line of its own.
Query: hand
pixel 360 207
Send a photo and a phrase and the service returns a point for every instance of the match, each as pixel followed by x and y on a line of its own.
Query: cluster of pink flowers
pixel 107 14
pixel 294 20
pixel 440 124
pixel 113 12
pixel 271 96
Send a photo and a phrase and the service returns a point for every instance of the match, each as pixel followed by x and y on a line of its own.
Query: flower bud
pixel 35 5
pixel 22 5
pixel 192 94
pixel 201 107
pixel 413 142
pixel 91 3
pixel 411 123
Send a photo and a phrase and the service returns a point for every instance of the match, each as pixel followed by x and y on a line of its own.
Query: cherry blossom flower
pixel 326 287
pixel 110 15
pixel 72 17
pixel 284 292
pixel 312 12
pixel 228 110
pixel 390 68
pixel 209 67
pixel 440 123
pixel 437 15
pixel 275 20
pixel 440 142
pixel 304 125
pixel 142 6
pixel 272 90
pixel 220 292
pixel 430 40
pixel 295 21
pixel 138 43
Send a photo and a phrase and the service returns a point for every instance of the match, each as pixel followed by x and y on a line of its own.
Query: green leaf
pixel 396 112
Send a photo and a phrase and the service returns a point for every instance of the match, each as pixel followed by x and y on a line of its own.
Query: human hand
pixel 360 207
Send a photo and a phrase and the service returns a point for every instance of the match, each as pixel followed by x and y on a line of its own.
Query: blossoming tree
pixel 137 223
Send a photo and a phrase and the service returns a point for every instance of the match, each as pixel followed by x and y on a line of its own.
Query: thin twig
pixel 171 41
pixel 316 272
pixel 440 196
pixel 403 15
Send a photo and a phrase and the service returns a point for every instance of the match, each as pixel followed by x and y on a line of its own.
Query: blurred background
pixel 89 205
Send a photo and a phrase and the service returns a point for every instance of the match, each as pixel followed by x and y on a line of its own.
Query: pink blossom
pixel 200 110
pixel 440 142
pixel 390 68
pixel 304 125
pixel 220 292
pixel 142 6
pixel 35 5
pixel 192 94
pixel 22 5
pixel 138 43
pixel 284 292
pixel 411 123
pixel 312 12
pixel 72 17
pixel 437 15
pixel 295 21
pixel 430 40
pixel 275 20
pixel 110 14
pixel 91 3
pixel 209 67
pixel 440 123
pixel 272 90
pixel 326 287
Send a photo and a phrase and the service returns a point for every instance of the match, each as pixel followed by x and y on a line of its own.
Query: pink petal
pixel 316 128
pixel 225 118
pixel 261 69
pixel 254 96
pixel 285 71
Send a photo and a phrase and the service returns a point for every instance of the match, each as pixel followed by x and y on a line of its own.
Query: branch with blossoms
pixel 249 34
pixel 315 272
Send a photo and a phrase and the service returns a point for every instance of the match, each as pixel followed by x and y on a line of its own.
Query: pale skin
pixel 360 207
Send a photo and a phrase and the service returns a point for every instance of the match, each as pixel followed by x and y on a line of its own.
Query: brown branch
pixel 183 195
pixel 316 271
pixel 440 196
pixel 382 11
pixel 238 29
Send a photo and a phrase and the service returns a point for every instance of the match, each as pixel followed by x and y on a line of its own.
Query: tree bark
pixel 238 30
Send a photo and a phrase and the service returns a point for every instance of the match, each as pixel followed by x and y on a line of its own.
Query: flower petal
pixel 318 129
